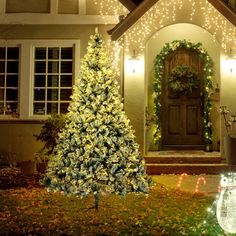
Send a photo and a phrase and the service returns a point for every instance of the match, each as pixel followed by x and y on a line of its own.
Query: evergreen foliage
pixel 96 152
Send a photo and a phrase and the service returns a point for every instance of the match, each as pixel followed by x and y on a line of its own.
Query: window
pixel 9 77
pixel 53 79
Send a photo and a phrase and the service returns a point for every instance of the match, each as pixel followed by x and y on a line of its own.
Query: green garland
pixel 183 79
pixel 207 80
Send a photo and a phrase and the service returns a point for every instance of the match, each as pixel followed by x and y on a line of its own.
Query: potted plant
pixel 48 136
pixel 230 138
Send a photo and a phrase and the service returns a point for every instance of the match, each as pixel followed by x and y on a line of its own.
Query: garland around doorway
pixel 207 81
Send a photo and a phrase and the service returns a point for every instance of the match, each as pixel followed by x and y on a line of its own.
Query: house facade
pixel 41 44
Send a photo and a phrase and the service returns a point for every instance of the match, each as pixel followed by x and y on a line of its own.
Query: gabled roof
pixel 138 8
pixel 130 4
pixel 131 18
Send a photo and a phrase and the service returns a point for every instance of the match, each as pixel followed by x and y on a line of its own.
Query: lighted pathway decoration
pixel 200 181
pixel 226 203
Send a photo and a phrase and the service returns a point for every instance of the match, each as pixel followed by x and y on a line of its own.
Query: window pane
pixel 66 53
pixel 39 94
pixel 1 80
pixel 66 67
pixel 64 107
pixel 12 80
pixel 12 66
pixel 39 81
pixel 52 80
pixel 53 67
pixel 11 94
pixel 2 66
pixel 52 94
pixel 1 94
pixel 40 53
pixel 12 107
pixel 2 53
pixel 12 53
pixel 1 108
pixel 53 53
pixel 66 80
pixel 40 67
pixel 65 94
pixel 39 109
pixel 52 108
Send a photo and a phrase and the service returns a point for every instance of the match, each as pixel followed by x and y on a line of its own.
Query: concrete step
pixel 182 159
pixel 196 168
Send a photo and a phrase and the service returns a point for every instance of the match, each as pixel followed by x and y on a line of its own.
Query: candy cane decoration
pixel 219 188
pixel 200 179
pixel 181 179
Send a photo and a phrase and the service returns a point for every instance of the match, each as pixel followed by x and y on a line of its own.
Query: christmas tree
pixel 96 152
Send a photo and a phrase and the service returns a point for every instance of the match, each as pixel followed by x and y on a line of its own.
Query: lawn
pixel 31 210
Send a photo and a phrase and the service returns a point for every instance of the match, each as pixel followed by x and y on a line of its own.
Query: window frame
pixel 26 71
pixel 11 45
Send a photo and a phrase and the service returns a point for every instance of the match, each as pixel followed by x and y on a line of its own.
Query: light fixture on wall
pixel 231 61
pixel 134 58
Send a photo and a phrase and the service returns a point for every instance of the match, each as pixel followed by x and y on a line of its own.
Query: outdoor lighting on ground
pixel 181 179
pixel 226 204
pixel 200 179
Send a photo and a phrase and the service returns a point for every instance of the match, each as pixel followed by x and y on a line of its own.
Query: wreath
pixel 183 79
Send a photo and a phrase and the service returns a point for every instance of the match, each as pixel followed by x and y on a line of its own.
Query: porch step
pixel 176 168
pixel 191 162
pixel 179 160
pixel 164 157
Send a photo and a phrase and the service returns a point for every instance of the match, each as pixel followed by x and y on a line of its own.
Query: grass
pixel 164 211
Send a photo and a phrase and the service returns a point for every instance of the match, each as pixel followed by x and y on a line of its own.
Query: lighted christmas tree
pixel 96 152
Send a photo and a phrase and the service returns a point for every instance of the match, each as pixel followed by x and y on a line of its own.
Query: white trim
pixel 53 6
pixel 82 7
pixel 55 19
pixel 2 6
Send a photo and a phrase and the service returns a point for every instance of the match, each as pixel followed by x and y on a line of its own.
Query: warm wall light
pixel 134 58
pixel 231 61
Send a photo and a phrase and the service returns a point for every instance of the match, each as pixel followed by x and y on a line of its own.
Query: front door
pixel 182 113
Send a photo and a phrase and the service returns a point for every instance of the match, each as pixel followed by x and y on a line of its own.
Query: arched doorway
pixel 196 115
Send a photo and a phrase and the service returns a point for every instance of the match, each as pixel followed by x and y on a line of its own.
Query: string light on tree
pixel 96 152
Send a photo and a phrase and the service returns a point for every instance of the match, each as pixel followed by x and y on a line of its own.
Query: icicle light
pixel 167 12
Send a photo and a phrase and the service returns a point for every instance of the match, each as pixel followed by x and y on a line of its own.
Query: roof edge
pixel 131 19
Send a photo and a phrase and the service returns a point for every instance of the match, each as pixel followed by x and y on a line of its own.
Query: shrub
pixel 48 135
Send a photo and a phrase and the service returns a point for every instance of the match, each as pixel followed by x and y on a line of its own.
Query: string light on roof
pixel 111 7
pixel 167 12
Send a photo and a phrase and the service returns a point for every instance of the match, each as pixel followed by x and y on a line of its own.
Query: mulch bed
pixel 12 177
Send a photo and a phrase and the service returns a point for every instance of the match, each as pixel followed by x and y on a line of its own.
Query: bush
pixel 49 134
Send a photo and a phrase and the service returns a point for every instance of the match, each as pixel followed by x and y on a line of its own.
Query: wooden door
pixel 182 114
